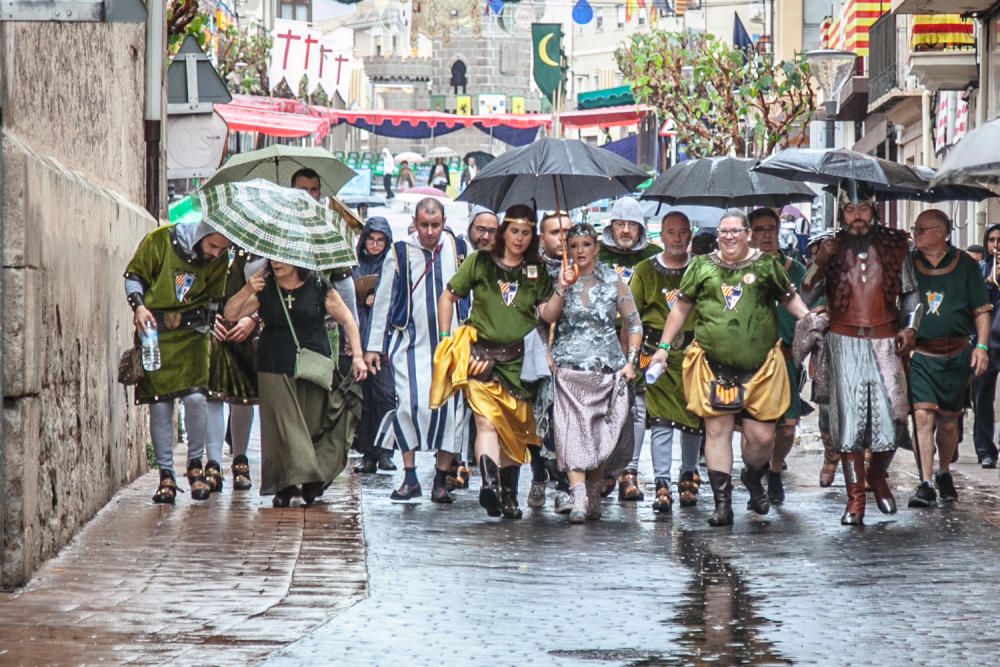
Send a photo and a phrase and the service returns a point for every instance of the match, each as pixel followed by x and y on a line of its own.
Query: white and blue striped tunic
pixel 413 425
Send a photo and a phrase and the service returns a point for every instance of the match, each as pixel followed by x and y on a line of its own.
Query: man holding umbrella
pixel 874 312
pixel 625 244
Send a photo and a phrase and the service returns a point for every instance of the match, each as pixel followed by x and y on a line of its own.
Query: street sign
pixel 195 143
pixel 193 85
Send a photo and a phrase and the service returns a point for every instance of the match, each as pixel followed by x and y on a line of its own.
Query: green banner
pixel 546 42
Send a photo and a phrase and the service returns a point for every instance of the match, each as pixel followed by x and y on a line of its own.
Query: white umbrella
pixel 441 151
pixel 411 157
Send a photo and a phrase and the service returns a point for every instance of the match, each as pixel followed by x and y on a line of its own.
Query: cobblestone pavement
pixel 225 581
pixel 450 586
pixel 232 581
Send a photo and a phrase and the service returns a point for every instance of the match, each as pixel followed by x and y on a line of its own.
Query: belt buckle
pixel 864 332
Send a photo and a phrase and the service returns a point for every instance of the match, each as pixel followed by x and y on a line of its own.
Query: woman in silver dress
pixel 592 414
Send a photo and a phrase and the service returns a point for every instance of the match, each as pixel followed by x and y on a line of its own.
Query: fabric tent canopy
pixel 271 123
pixel 605 97
pixel 607 117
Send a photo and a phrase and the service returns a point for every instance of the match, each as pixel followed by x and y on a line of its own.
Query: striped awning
pixel 850 31
pixel 940 32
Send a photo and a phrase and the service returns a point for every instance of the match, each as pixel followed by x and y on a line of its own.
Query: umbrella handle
pixel 565 250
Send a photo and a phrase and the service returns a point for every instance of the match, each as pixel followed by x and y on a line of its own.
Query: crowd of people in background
pixel 527 339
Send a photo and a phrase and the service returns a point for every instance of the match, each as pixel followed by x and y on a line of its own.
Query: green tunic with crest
pixel 176 285
pixel 655 289
pixel 736 306
pixel 504 306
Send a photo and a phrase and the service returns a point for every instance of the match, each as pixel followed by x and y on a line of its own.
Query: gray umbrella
pixel 973 159
pixel 725 182
pixel 832 165
pixel 552 174
pixel 938 193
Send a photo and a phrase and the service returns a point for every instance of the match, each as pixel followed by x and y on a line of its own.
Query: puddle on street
pixel 716 618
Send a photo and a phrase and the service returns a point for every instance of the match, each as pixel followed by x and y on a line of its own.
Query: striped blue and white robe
pixel 410 346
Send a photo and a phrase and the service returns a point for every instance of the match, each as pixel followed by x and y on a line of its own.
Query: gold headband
pixel 518 221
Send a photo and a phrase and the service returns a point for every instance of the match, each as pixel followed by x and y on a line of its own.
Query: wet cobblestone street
pixel 359 580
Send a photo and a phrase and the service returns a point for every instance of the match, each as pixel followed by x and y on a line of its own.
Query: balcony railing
pixel 883 63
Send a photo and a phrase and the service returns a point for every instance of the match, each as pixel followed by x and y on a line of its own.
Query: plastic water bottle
pixel 151 348
pixel 653 373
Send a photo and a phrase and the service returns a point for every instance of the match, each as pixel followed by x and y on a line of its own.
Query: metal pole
pixel 156 26
pixel 830 107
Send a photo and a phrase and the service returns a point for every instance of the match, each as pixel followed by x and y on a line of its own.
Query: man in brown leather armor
pixel 872 303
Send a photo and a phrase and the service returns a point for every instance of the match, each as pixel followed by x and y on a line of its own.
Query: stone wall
pixel 72 183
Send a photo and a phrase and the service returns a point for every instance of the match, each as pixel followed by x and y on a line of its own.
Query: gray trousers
pixel 662 441
pixel 204 424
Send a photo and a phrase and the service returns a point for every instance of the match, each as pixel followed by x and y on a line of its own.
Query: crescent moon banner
pixel 546 42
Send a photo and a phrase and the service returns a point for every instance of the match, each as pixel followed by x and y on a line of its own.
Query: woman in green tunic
pixel 305 429
pixel 511 289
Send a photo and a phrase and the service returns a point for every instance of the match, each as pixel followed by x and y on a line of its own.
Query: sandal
pixel 213 476
pixel 462 476
pixel 166 492
pixel 688 487
pixel 241 473
pixel 200 490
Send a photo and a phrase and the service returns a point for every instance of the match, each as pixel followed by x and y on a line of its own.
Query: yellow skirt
pixel 765 395
pixel 514 420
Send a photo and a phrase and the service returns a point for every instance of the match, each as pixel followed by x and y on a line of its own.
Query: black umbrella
pixel 832 165
pixel 939 193
pixel 724 182
pixel 554 174
pixel 482 158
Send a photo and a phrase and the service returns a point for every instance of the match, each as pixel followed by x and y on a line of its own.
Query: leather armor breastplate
pixel 868 304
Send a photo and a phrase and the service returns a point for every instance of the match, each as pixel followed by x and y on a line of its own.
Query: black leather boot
pixel 722 489
pixel 509 476
pixel 489 492
pixel 752 478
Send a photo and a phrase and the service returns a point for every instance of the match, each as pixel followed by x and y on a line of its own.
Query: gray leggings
pixel 240 423
pixel 204 424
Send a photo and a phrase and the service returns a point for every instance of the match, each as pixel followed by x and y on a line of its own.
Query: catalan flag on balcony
pixel 850 31
pixel 941 32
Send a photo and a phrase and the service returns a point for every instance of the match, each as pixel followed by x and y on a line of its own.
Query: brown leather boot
pixel 722 489
pixel 854 478
pixel 628 486
pixel 877 469
pixel 831 458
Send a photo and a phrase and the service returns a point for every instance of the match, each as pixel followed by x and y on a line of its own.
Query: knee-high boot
pixel 508 492
pixel 752 479
pixel 877 470
pixel 854 478
pixel 831 457
pixel 722 489
pixel 489 492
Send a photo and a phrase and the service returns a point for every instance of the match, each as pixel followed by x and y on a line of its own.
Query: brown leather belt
pixel 886 330
pixel 482 349
pixel 942 347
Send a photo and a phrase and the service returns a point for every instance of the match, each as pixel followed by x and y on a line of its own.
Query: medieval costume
pixel 655 288
pixel 233 376
pixel 403 326
pixel 954 296
pixel 623 261
pixel 592 414
pixel 868 284
pixel 181 287
pixel 305 429
pixel 504 302
pixel 378 390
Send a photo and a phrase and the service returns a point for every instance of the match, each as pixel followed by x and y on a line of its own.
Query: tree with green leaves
pixel 722 100
pixel 243 59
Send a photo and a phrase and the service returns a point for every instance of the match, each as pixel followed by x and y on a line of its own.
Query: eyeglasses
pixel 485 231
pixel 731 232
pixel 923 230
pixel 374 241
pixel 623 224
pixel 552 214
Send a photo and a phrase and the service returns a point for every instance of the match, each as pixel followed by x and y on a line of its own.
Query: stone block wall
pixel 72 175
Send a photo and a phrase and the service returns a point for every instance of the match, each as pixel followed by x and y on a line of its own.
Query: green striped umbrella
pixel 279 223
pixel 277 163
